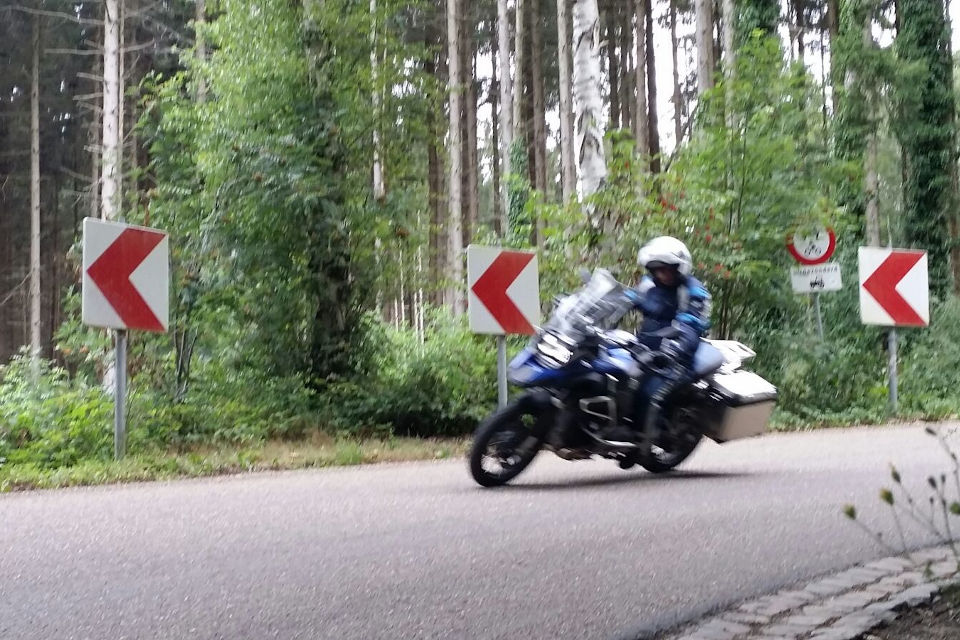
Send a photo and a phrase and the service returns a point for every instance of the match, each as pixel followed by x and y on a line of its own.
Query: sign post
pixel 503 298
pixel 894 292
pixel 815 274
pixel 126 277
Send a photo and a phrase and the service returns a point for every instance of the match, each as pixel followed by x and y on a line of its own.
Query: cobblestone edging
pixel 843 606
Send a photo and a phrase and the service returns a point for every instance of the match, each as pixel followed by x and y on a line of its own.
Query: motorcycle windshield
pixel 600 304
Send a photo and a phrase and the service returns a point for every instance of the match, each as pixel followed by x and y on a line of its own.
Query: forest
pixel 321 165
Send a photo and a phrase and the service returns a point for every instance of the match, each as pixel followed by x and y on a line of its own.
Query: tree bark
pixel 625 25
pixel 704 38
pixel 470 163
pixel 505 121
pixel 588 107
pixel 518 88
pixel 677 97
pixel 112 112
pixel 435 181
pixel 455 220
pixel 539 110
pixel 641 128
pixel 653 123
pixel 568 173
pixel 613 67
pixel 495 161
pixel 872 188
pixel 379 191
pixel 35 323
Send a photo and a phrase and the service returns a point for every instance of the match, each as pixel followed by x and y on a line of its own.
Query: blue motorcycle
pixel 580 374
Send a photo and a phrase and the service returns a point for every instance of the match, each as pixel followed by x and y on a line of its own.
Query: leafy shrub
pixel 441 387
pixel 53 421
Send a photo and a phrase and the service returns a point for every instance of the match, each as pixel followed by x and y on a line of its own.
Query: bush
pixel 442 387
pixel 54 421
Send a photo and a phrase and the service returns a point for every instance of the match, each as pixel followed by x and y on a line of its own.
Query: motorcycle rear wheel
pixel 504 445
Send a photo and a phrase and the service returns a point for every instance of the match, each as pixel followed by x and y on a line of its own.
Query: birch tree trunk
pixel 587 105
pixel 112 107
pixel 35 345
pixel 568 173
pixel 641 126
pixel 379 192
pixel 704 38
pixel 505 120
pixel 455 153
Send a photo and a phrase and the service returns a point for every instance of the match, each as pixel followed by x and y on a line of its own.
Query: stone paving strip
pixel 844 606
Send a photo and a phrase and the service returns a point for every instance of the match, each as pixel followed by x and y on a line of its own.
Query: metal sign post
pixel 892 368
pixel 501 371
pixel 120 395
pixel 816 308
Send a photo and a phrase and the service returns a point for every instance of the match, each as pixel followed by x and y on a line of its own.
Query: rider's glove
pixel 669 353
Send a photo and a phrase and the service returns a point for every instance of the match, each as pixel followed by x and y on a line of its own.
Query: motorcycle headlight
pixel 552 348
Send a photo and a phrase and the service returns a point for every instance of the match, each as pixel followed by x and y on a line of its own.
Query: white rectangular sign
pixel 503 290
pixel 818 277
pixel 894 288
pixel 126 276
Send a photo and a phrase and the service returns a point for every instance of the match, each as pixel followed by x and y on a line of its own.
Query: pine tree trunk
pixel 498 203
pixel 518 88
pixel 112 108
pixel 872 188
pixel 505 120
pixel 653 123
pixel 454 296
pixel 470 143
pixel 613 67
pixel 677 98
pixel 539 110
pixel 568 178
pixel 625 26
pixel 641 128
pixel 35 323
pixel 587 104
pixel 435 182
pixel 704 39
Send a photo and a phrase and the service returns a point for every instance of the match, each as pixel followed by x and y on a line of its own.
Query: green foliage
pixel 52 421
pixel 930 379
pixel 441 387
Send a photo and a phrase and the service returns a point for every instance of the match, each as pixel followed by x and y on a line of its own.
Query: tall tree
pixel 112 111
pixel 613 64
pixel 641 127
pixel 704 39
pixel 455 154
pixel 677 97
pixel 539 108
pixel 653 124
pixel 926 131
pixel 35 323
pixel 379 190
pixel 587 104
pixel 568 172
pixel 505 119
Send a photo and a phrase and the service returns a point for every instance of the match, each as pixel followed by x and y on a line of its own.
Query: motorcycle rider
pixel 667 295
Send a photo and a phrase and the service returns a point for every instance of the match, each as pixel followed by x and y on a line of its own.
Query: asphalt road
pixel 571 550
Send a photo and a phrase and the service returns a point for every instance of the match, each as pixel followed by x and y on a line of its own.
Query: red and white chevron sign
pixel 126 276
pixel 893 287
pixel 504 290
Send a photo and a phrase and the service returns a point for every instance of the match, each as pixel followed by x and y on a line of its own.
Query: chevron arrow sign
pixel 126 276
pixel 893 287
pixel 504 290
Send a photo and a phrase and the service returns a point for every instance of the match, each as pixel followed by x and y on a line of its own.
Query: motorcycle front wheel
pixel 666 455
pixel 503 445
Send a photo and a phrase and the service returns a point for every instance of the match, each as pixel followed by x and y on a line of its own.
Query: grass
pixel 318 451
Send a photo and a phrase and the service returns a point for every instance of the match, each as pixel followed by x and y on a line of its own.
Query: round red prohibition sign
pixel 815 248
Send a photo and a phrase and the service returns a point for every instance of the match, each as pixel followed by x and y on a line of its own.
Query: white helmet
pixel 664 251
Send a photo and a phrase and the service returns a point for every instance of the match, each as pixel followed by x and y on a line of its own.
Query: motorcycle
pixel 580 374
